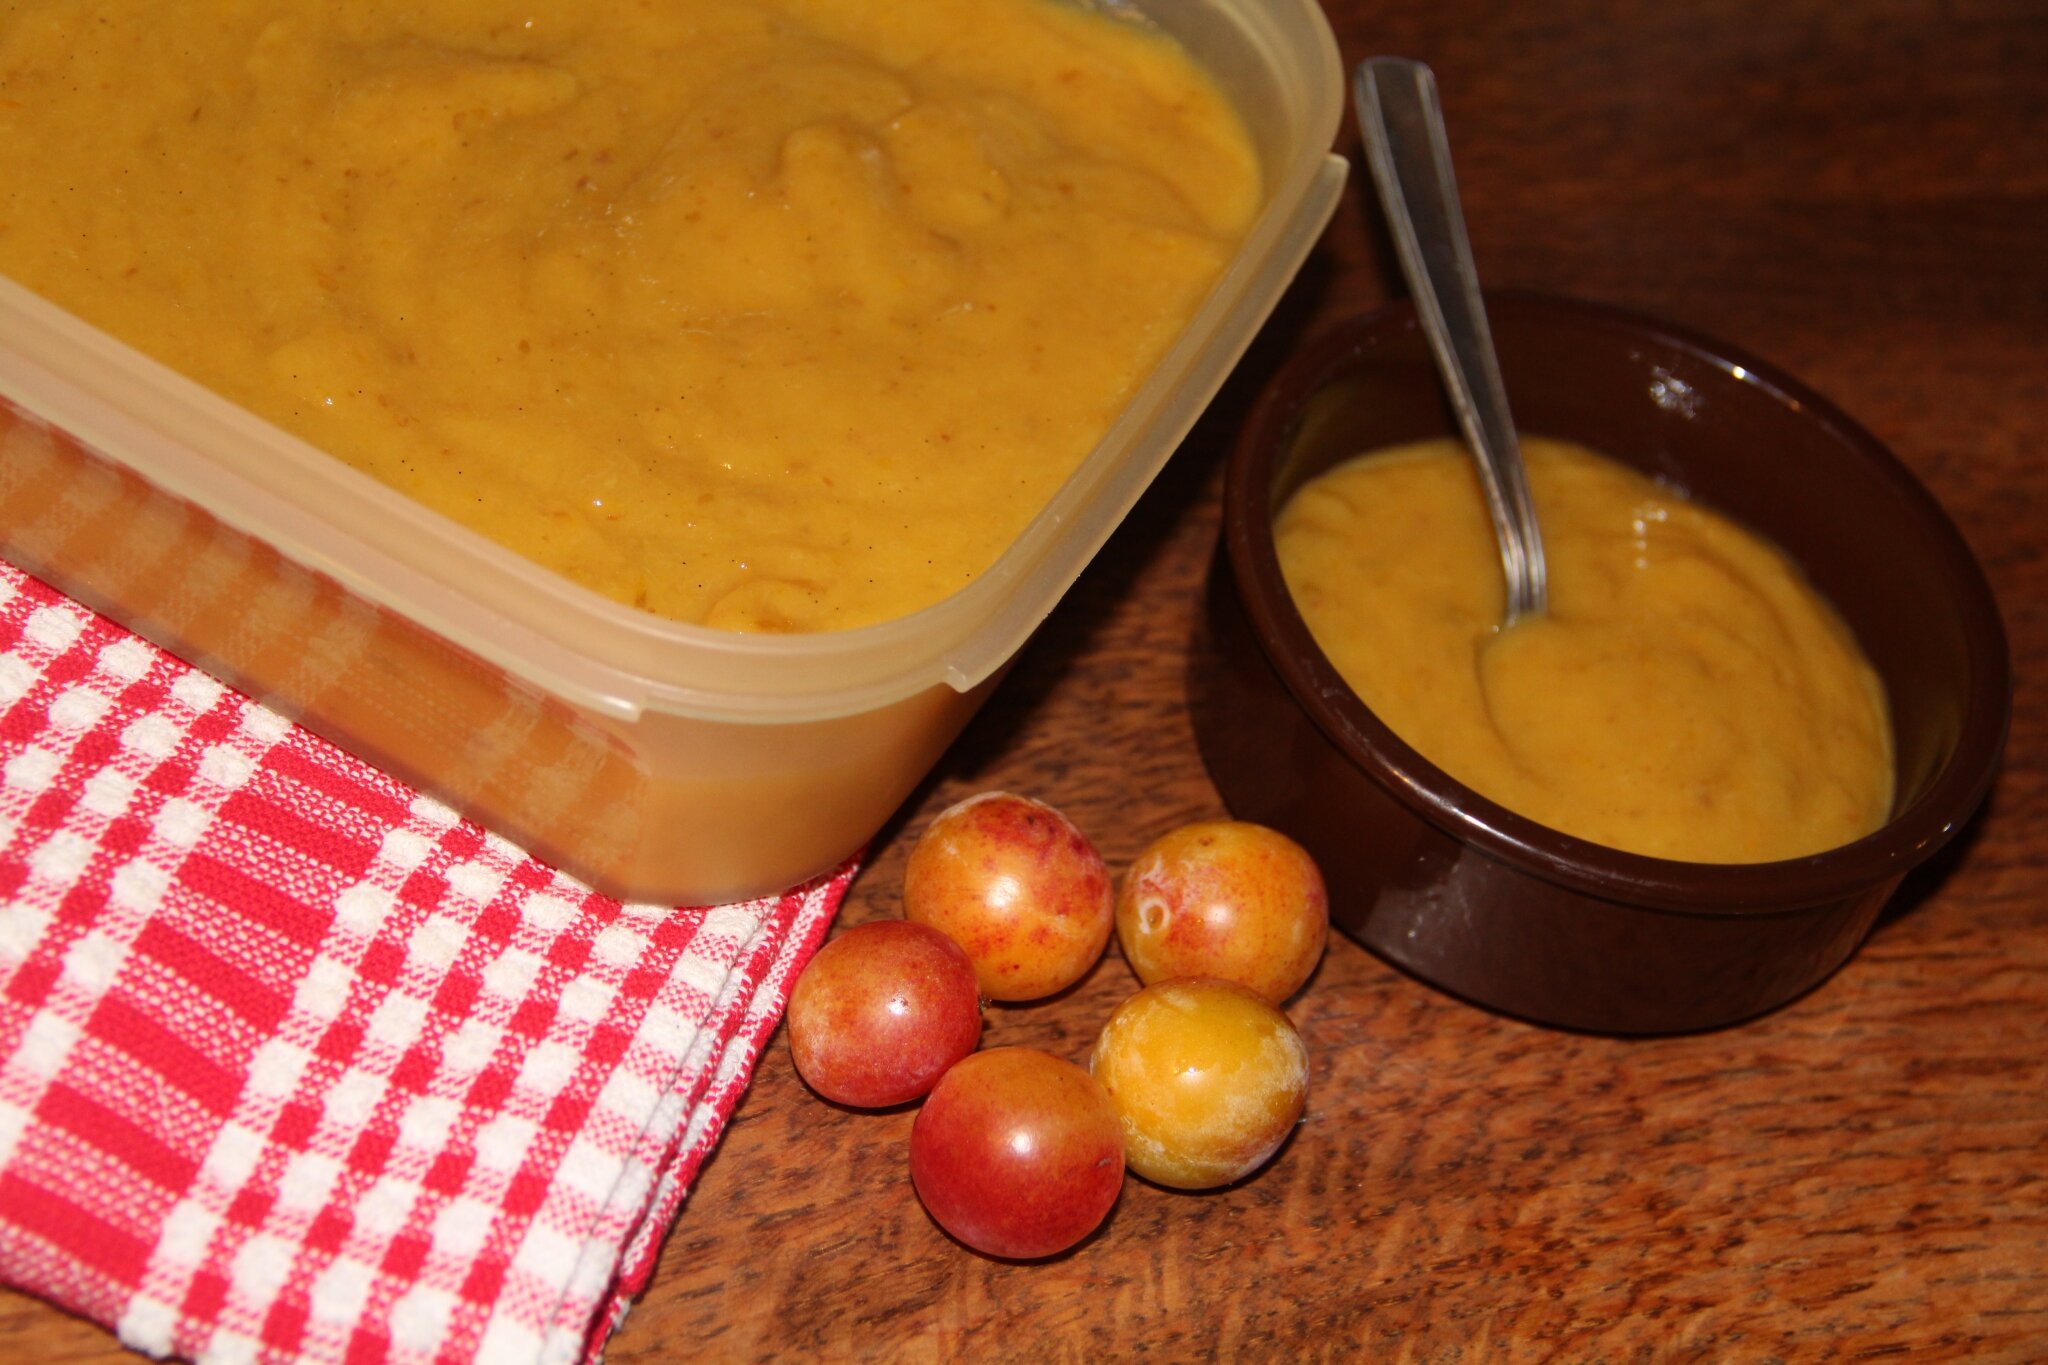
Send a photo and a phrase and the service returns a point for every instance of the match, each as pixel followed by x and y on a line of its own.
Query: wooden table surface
pixel 1858 192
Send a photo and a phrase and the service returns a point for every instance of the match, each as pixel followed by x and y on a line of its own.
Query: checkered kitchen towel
pixel 294 1064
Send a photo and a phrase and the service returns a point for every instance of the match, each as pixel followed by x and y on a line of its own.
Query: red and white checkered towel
pixel 294 1064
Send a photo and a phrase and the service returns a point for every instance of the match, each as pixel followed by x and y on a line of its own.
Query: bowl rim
pixel 1907 839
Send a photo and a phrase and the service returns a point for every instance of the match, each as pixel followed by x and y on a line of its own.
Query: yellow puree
pixel 1688 695
pixel 776 315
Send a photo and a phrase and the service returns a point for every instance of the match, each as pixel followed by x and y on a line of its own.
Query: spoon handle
pixel 1403 123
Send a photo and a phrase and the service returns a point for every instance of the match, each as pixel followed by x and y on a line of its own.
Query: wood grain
pixel 1856 192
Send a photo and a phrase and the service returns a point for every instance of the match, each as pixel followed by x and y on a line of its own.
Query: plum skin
pixel 1017 885
pixel 1017 1153
pixel 881 1012
pixel 1228 899
pixel 1207 1078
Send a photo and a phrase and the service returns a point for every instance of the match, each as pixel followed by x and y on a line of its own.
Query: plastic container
pixel 658 761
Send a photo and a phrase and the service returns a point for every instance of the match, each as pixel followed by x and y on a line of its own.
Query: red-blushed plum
pixel 1207 1078
pixel 880 1013
pixel 1017 1153
pixel 1228 899
pixel 1013 882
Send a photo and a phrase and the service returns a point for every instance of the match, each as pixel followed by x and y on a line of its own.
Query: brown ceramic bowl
pixel 1496 908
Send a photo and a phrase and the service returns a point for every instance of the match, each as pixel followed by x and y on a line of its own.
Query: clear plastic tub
pixel 658 761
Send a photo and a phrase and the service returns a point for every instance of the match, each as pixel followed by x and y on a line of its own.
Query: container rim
pixel 1909 838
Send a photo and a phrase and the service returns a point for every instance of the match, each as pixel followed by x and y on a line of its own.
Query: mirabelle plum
pixel 881 1012
pixel 1013 882
pixel 1207 1078
pixel 1017 1153
pixel 1227 899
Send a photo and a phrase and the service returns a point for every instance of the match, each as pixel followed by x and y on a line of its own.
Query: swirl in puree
pixel 1688 695
pixel 776 315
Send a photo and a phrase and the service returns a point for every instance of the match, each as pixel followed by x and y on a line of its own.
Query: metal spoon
pixel 1403 123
